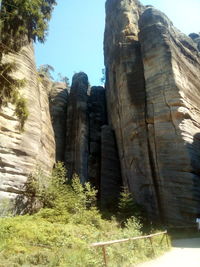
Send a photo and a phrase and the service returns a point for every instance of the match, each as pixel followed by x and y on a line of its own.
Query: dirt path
pixel 184 253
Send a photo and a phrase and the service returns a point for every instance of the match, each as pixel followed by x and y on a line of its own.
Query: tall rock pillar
pixel 58 110
pixel 172 77
pixel 97 118
pixel 153 96
pixel 126 99
pixel 76 153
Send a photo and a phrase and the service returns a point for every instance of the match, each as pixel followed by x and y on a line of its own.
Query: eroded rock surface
pixel 153 96
pixel 172 78
pixel 20 152
pixel 196 38
pixel 58 110
pixel 126 99
pixel 110 183
pixel 77 133
pixel 97 118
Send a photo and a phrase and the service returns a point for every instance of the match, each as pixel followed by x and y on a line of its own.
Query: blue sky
pixel 75 39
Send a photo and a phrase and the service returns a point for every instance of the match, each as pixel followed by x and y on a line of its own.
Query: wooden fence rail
pixel 107 243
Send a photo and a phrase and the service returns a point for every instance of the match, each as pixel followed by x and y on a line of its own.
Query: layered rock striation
pixel 87 152
pixel 97 118
pixel 58 110
pixel 21 152
pixel 153 91
pixel 126 99
pixel 77 132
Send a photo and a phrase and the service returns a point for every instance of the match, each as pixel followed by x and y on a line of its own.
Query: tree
pixel 127 205
pixel 63 79
pixel 46 70
pixel 21 21
pixel 24 19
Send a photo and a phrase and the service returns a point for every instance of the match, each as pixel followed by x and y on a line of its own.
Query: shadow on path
pixel 187 243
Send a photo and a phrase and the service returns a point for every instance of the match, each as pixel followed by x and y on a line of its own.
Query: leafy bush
pixel 60 234
pixel 59 193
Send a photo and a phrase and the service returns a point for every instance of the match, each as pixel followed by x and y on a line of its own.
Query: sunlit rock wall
pixel 21 152
pixel 153 95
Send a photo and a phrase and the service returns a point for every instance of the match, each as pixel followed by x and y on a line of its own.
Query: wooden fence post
pixel 167 240
pixel 106 243
pixel 104 256
pixel 153 251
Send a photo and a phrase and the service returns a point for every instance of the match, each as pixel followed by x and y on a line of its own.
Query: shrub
pixel 60 234
pixel 127 206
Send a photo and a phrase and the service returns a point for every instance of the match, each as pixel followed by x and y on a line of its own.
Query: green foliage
pixel 36 241
pixel 127 206
pixel 57 192
pixel 21 22
pixel 23 19
pixel 46 70
pixel 21 110
pixel 60 234
pixel 6 208
pixel 9 92
pixel 63 79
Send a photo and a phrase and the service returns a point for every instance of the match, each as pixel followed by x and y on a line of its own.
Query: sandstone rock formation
pixel 97 118
pixel 20 152
pixel 126 98
pixel 196 38
pixel 58 110
pixel 76 151
pixel 171 69
pixel 110 169
pixel 153 94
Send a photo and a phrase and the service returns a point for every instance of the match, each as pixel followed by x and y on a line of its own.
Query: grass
pixel 52 239
pixel 60 234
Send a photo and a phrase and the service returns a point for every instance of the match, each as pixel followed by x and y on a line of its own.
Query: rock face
pixel 196 38
pixel 110 169
pixel 172 68
pixel 58 110
pixel 91 150
pixel 77 133
pixel 20 152
pixel 153 91
pixel 126 98
pixel 97 118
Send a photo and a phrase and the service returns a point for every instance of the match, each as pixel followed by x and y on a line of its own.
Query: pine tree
pixel 21 19
pixel 21 22
pixel 127 205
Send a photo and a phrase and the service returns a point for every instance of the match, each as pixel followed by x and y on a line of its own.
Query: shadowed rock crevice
pixel 97 118
pixel 110 184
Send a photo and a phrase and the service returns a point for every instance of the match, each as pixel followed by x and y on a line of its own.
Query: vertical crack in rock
pixel 153 106
pixel 58 109
pixel 97 118
pixel 126 99
pixel 110 169
pixel 170 62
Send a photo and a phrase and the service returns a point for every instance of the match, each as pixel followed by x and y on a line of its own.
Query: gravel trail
pixel 184 253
